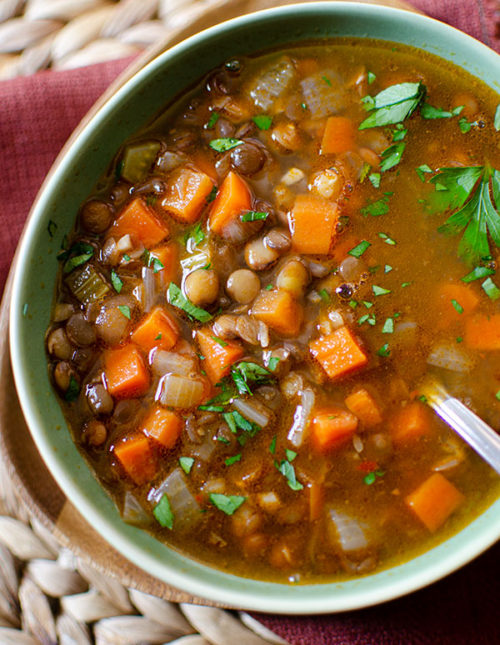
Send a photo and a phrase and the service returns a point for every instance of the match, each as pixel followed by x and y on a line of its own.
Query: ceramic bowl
pixel 70 183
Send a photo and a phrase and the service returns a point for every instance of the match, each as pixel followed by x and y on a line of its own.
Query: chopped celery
pixel 87 285
pixel 137 160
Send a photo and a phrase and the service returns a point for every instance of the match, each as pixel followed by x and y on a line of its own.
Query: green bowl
pixel 73 179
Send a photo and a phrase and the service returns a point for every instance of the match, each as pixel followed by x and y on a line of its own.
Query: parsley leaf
pixel 374 179
pixel 477 274
pixel 116 281
pixel 214 117
pixel 288 471
pixel 223 145
pixel 125 310
pixel 392 155
pixel 253 216
pixel 422 170
pixel 377 208
pixel 186 463
pixel 359 249
pixel 194 236
pixel 179 300
pixel 163 513
pixel 429 112
pixel 247 371
pixel 226 503
pixel 468 190
pixel 73 390
pixel 496 122
pixel 394 104
pixel 263 121
pixel 491 289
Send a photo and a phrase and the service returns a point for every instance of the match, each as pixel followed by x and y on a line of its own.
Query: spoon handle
pixel 483 439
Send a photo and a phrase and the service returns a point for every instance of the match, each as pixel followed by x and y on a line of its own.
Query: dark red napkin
pixel 37 114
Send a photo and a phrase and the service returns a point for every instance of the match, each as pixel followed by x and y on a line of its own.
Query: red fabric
pixel 37 114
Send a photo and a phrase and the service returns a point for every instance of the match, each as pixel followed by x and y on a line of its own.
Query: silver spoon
pixel 478 434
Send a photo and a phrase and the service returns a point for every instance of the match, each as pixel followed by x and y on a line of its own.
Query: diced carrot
pixel 434 501
pixel 186 194
pixel 137 458
pixel 331 427
pixel 338 353
pixel 280 311
pixel 339 135
pixel 219 354
pixel 168 256
pixel 139 221
pixel 127 375
pixel 482 332
pixel 453 298
pixel 162 425
pixel 234 197
pixel 312 222
pixel 363 405
pixel 410 423
pixel 156 329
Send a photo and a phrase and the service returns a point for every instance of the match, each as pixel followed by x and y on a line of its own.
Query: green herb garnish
pixel 195 235
pixel 422 171
pixel 253 216
pixel 388 327
pixel 380 291
pixel 288 471
pixel 273 363
pixel 263 121
pixel 491 289
pixel 429 112
pixel 125 310
pixel 179 300
pixel 325 296
pixel 73 390
pixel 384 351
pixel 477 274
pixel 370 478
pixel 226 503
pixel 474 194
pixel 116 281
pixel 387 239
pixel 370 77
pixel 392 155
pixel 377 208
pixel 214 117
pixel 457 306
pixel 374 179
pixel 387 268
pixel 219 341
pixel 496 121
pixel 245 372
pixel 359 249
pixel 232 460
pixel 393 105
pixel 186 463
pixel 163 513
pixel 272 445
pixel 212 195
pixel 223 145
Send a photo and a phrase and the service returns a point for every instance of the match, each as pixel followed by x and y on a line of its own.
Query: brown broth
pixel 367 478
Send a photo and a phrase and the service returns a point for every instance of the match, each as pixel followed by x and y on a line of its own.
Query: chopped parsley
pixel 429 112
pixel 327 80
pixel 387 268
pixel 245 372
pixel 392 155
pixel 370 77
pixel 387 239
pixel 388 327
pixel 186 463
pixel 324 295
pixel 116 281
pixel 223 145
pixel 228 504
pixel 179 300
pixel 263 121
pixel 422 171
pixel 477 273
pixel 78 254
pixel 209 407
pixel 491 289
pixel 219 341
pixel 288 471
pixel 195 235
pixel 125 310
pixel 272 445
pixel 214 117
pixel 466 126
pixel 457 306
pixel 163 513
pixel 73 390
pixel 232 460
pixel 497 395
pixel 273 363
pixel 253 216
pixel 359 249
pixel 212 195
pixel 374 179
pixel 384 351
pixel 370 478
pixel 378 207
pixel 380 291
pixel 393 105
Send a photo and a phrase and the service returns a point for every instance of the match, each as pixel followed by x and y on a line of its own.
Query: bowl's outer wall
pixel 76 176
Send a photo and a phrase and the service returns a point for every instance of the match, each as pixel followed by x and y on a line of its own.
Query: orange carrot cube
pixel 186 194
pixel 156 329
pixel 280 311
pixel 410 423
pixel 482 332
pixel 233 199
pixel 127 375
pixel 339 135
pixel 219 354
pixel 137 458
pixel 331 427
pixel 363 405
pixel 434 501
pixel 338 353
pixel 162 425
pixel 312 222
pixel 139 221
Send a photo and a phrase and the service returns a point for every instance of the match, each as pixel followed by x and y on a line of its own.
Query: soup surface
pixel 250 300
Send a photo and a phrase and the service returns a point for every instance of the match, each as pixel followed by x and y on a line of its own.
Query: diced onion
pixel 292 176
pixel 180 391
pixel 185 508
pixel 148 278
pixel 253 411
pixel 450 357
pixel 346 532
pixel 300 418
pixel 172 363
pixel 124 244
pixel 133 513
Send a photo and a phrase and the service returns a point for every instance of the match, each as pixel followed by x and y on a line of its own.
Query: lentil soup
pixel 252 295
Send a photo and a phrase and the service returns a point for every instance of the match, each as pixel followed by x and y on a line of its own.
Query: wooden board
pixel 25 470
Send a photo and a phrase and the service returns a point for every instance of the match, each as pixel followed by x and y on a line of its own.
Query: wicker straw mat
pixel 48 593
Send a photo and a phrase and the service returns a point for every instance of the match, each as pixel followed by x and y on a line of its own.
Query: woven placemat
pixel 49 591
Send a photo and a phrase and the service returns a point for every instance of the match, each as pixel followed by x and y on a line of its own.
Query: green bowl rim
pixel 189 575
